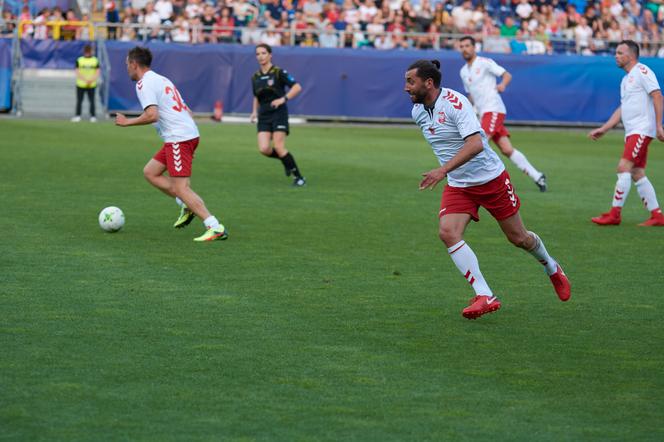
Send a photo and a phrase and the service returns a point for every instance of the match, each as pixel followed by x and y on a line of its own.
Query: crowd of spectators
pixel 517 26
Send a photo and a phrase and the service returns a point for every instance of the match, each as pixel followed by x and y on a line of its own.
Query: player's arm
pixel 610 123
pixel 150 115
pixel 293 92
pixel 254 110
pixel 472 146
pixel 659 107
pixel 506 79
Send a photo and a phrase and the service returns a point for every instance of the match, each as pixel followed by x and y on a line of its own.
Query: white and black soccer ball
pixel 111 219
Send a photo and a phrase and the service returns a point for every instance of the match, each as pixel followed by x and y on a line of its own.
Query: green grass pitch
pixel 333 311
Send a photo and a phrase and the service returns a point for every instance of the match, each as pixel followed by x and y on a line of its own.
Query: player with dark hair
pixel 269 85
pixel 641 113
pixel 164 107
pixel 479 79
pixel 475 178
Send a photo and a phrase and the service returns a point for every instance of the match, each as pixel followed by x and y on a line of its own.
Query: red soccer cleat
pixel 611 218
pixel 656 219
pixel 481 305
pixel 561 284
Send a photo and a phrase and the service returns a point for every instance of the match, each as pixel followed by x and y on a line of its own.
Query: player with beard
pixel 475 178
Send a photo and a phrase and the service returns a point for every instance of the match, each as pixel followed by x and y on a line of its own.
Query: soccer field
pixel 333 311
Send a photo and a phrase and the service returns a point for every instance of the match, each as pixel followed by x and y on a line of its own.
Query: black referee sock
pixel 289 164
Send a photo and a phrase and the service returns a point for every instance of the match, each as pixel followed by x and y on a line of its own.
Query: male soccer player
pixel 163 106
pixel 641 112
pixel 475 177
pixel 479 79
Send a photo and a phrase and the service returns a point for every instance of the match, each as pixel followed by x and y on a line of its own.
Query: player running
pixel 475 177
pixel 479 79
pixel 269 85
pixel 641 112
pixel 164 107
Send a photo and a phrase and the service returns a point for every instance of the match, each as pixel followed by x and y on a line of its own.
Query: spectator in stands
pixel 329 38
pixel 271 37
pixel 87 74
pixel 251 35
pixel 462 14
pixel 152 22
pixel 368 11
pixel 193 9
pixel 180 31
pixel 165 10
pixel 83 31
pixel 375 28
pixel 509 29
pixel 68 30
pixel 226 26
pixel 583 36
pixel 27 29
pixel 6 25
pixel 40 27
pixel 208 21
pixel 244 12
pixel 524 9
pixel 113 17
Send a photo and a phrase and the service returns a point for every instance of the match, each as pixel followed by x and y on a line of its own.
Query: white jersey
pixel 445 127
pixel 479 80
pixel 636 105
pixel 175 123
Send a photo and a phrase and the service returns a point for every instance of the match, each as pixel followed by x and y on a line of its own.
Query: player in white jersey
pixel 164 107
pixel 475 178
pixel 641 112
pixel 479 79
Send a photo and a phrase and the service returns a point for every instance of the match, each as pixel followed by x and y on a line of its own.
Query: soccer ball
pixel 111 219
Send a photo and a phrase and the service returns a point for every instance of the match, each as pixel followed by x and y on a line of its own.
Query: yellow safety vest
pixel 87 66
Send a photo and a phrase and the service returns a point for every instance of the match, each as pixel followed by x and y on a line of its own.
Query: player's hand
pixel 276 103
pixel 252 117
pixel 500 88
pixel 596 134
pixel 120 119
pixel 432 177
pixel 660 133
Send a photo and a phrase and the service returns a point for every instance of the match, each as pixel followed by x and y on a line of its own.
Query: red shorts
pixel 177 157
pixel 636 150
pixel 492 123
pixel 497 196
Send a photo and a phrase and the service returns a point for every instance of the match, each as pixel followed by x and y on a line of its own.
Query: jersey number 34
pixel 175 95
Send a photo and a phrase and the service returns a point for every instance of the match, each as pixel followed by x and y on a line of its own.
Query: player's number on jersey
pixel 175 95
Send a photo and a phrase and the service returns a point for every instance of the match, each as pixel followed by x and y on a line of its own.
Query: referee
pixel 269 85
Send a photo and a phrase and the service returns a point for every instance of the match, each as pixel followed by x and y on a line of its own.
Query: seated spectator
pixel 244 12
pixel 329 38
pixel 112 17
pixel 518 45
pixel 310 40
pixel 165 9
pixel 226 26
pixel 68 31
pixel 383 42
pixel 27 29
pixel 367 11
pixel 524 9
pixel 208 21
pixel 271 37
pixel 462 14
pixel 193 9
pixel 251 35
pixel 508 29
pixel 6 25
pixel 180 31
pixel 40 27
pixel 375 28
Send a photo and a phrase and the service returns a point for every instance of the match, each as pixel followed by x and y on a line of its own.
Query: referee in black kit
pixel 270 97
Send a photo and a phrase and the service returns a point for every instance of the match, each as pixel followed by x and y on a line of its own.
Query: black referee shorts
pixel 274 121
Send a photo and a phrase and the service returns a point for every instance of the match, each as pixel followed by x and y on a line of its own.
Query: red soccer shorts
pixel 636 149
pixel 177 157
pixel 497 196
pixel 492 123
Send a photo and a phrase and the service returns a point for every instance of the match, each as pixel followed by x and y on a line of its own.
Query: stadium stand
pixel 501 26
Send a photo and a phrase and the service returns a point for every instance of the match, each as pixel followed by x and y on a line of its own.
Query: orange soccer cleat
pixel 481 305
pixel 561 284
pixel 610 218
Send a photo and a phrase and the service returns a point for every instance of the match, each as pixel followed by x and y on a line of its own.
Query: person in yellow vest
pixel 87 74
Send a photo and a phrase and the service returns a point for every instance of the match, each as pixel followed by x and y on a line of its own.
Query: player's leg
pixel 644 187
pixel 519 159
pixel 290 166
pixel 154 174
pixel 516 233
pixel 214 229
pixel 620 193
pixel 456 212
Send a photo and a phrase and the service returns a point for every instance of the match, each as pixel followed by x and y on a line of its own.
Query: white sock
pixel 211 222
pixel 522 163
pixel 179 202
pixel 621 191
pixel 466 262
pixel 540 253
pixel 647 193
